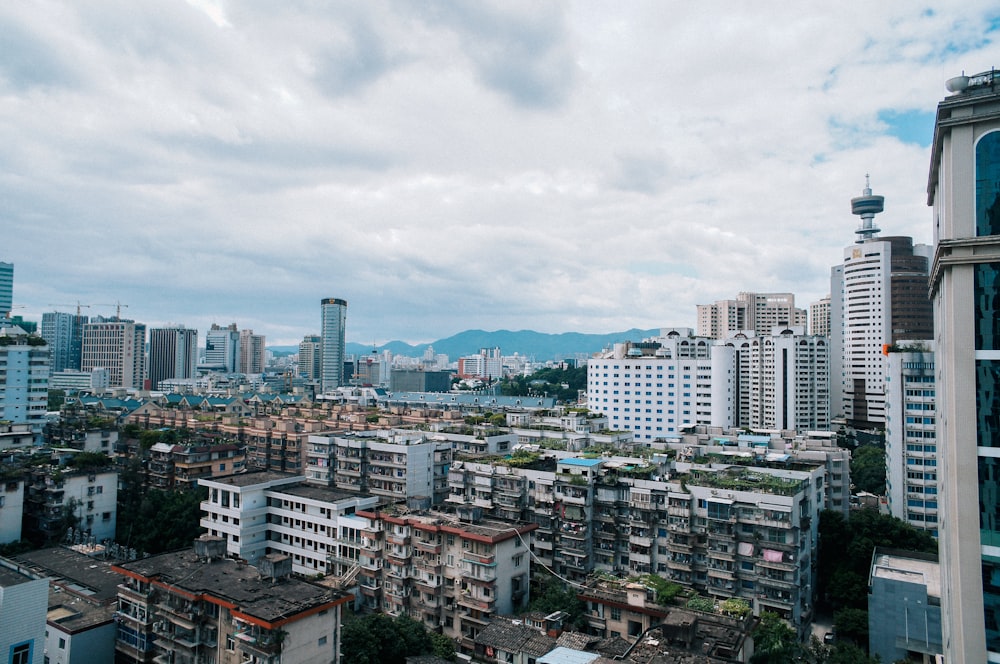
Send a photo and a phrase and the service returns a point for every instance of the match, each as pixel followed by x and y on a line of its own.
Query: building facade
pixel 173 353
pixel 333 323
pixel 195 605
pixel 759 312
pixel 252 352
pixel 6 289
pixel 64 334
pixel 964 191
pixel 311 357
pixel 878 297
pixel 222 348
pixel 24 380
pixel 23 605
pixel 911 452
pixel 117 345
pixel 904 606
pixel 819 317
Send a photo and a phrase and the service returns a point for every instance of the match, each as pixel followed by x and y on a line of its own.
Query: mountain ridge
pixel 541 346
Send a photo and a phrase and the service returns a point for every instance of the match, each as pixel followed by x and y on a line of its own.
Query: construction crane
pixel 77 305
pixel 117 305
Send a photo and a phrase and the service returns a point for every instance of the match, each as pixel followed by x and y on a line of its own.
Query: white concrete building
pixel 267 512
pixel 11 510
pixel 758 312
pixel 654 388
pixel 119 346
pixel 819 317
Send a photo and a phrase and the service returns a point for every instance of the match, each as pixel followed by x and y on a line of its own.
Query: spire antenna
pixel 867 206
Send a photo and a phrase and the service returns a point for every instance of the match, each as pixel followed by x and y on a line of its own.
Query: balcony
pixel 468 600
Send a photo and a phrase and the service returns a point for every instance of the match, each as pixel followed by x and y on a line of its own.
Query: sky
pixel 451 165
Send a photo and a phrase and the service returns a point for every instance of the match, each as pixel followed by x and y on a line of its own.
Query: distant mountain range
pixel 537 345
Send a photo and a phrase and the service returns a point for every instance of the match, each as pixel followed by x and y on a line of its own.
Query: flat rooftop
pixel 252 478
pixel 897 567
pixel 74 571
pixel 320 493
pixel 237 583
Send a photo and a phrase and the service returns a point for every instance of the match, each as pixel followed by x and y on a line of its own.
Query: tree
pixel 868 469
pixel 549 594
pixel 381 639
pixel 851 624
pixel 56 399
pixel 159 520
pixel 774 641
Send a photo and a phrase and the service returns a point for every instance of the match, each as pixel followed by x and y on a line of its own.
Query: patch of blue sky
pixel 909 126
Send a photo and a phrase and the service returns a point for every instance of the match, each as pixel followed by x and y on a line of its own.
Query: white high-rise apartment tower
pixel 333 324
pixel 964 190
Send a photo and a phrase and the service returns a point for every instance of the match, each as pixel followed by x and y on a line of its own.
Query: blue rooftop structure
pixel 563 655
pixel 576 461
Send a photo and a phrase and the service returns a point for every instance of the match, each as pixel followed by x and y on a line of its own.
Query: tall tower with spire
pixel 878 296
pixel 866 206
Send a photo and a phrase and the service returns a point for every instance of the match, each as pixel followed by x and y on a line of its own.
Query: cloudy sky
pixel 445 165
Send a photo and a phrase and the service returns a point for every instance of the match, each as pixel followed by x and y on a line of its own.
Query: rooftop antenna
pixel 867 206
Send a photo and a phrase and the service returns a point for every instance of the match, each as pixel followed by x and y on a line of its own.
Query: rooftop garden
pixel 740 479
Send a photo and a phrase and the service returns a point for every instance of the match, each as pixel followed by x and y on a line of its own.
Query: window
pixel 62 643
pixel 321 641
pixel 616 613
pixel 230 642
pixel 20 653
pixel 100 489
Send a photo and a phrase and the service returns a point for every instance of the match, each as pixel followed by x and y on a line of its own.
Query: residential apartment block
pixel 394 464
pixel 197 606
pixel 90 498
pixel 24 380
pixel 730 516
pixel 261 513
pixel 758 312
pixel 449 571
pixel 667 384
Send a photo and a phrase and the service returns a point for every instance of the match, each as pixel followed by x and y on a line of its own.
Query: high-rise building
pixel 64 334
pixel 222 348
pixel 117 345
pixel 252 349
pixel 911 457
pixel 6 289
pixel 311 357
pixel 964 190
pixel 819 317
pixel 487 363
pixel 24 379
pixel 333 326
pixel 760 312
pixel 878 296
pixel 774 381
pixel 173 353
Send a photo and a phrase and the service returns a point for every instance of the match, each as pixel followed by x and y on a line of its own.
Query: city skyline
pixel 445 167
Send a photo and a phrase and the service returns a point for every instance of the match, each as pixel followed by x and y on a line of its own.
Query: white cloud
pixel 447 165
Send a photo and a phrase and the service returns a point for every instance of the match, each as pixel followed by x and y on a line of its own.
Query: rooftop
pixel 234 582
pixel 908 568
pixel 253 478
pixel 74 571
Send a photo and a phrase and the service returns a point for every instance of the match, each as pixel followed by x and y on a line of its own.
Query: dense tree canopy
pixel 550 594
pixel 563 384
pixel 382 639
pixel 868 469
pixel 846 547
pixel 154 520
